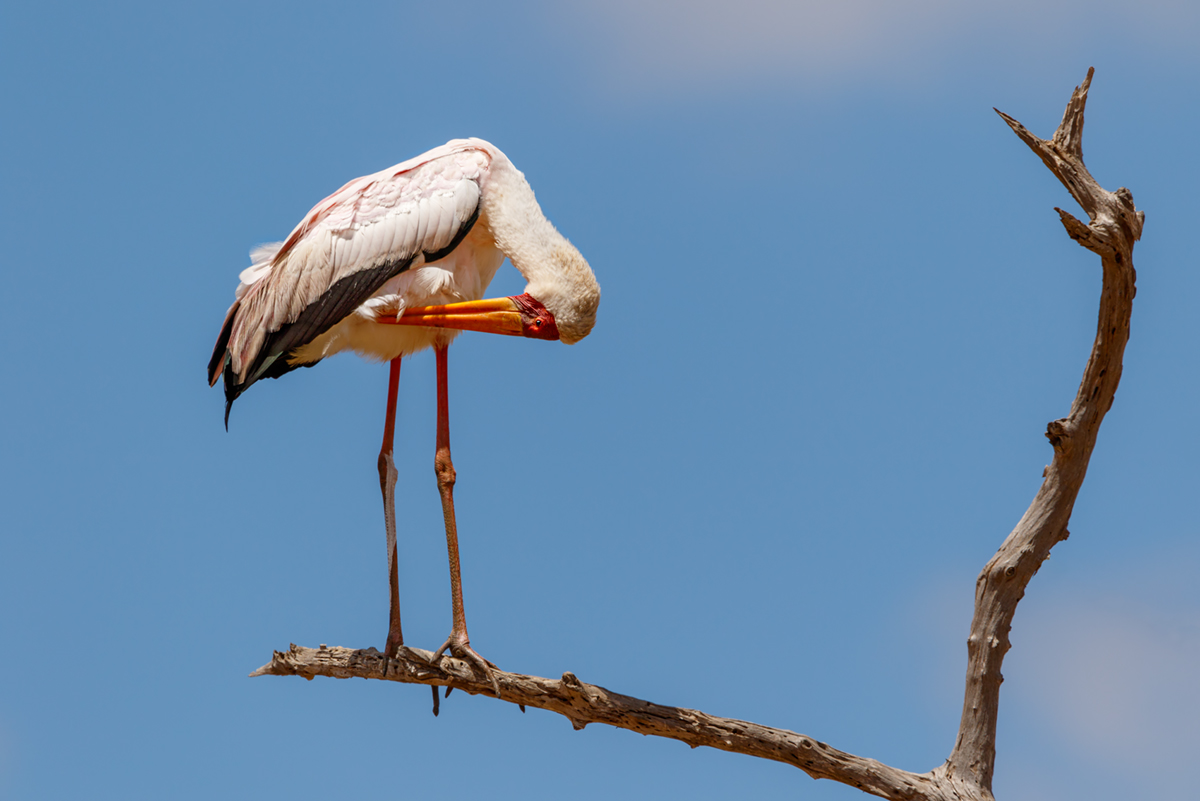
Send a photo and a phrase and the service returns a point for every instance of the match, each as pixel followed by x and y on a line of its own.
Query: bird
pixel 391 264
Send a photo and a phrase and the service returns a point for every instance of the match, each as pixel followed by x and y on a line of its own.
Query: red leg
pixel 458 643
pixel 387 485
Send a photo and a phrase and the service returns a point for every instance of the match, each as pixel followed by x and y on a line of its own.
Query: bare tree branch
pixel 587 703
pixel 1114 225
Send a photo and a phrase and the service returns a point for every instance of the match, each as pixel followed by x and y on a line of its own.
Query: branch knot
pixel 1057 433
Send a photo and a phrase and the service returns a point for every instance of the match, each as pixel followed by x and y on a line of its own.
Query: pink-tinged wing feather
pixel 346 247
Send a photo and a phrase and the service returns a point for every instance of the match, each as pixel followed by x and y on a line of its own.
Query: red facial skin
pixel 536 319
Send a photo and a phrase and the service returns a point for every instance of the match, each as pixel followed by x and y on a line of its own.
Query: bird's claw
pixel 461 648
pixel 390 648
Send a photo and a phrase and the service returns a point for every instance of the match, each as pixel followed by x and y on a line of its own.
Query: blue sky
pixel 838 312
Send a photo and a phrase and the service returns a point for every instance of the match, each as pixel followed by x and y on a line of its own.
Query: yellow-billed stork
pixel 396 262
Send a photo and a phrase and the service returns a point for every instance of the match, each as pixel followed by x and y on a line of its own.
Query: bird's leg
pixel 458 644
pixel 387 485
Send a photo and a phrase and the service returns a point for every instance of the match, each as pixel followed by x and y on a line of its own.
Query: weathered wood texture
pixel 587 703
pixel 967 775
pixel 1113 228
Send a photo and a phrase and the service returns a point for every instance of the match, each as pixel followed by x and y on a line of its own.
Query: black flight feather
pixel 334 305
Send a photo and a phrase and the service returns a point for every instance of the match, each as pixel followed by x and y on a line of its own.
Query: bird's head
pixel 568 292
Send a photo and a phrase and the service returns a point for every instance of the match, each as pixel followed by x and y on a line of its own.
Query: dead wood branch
pixel 1114 225
pixel 587 703
pixel 1113 228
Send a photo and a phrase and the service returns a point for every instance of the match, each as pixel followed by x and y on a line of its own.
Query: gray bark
pixel 1114 225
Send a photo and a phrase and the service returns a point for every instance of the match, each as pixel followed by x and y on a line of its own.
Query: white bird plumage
pixel 431 230
pixel 395 262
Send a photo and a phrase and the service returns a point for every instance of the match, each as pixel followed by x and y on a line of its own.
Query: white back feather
pixel 398 214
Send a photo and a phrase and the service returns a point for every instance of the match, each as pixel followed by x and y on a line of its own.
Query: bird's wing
pixel 343 251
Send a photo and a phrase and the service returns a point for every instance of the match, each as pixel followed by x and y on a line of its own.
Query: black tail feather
pixel 234 390
pixel 219 350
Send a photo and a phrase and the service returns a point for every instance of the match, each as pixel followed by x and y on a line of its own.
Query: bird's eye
pixel 537 323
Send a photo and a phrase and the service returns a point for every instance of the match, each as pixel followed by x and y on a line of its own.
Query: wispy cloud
pixel 655 44
pixel 1118 682
pixel 1101 678
pixel 1100 688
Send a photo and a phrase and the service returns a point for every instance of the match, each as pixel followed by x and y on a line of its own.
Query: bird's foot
pixel 394 643
pixel 459 646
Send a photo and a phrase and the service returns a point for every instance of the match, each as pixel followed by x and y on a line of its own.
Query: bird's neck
pixel 557 274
